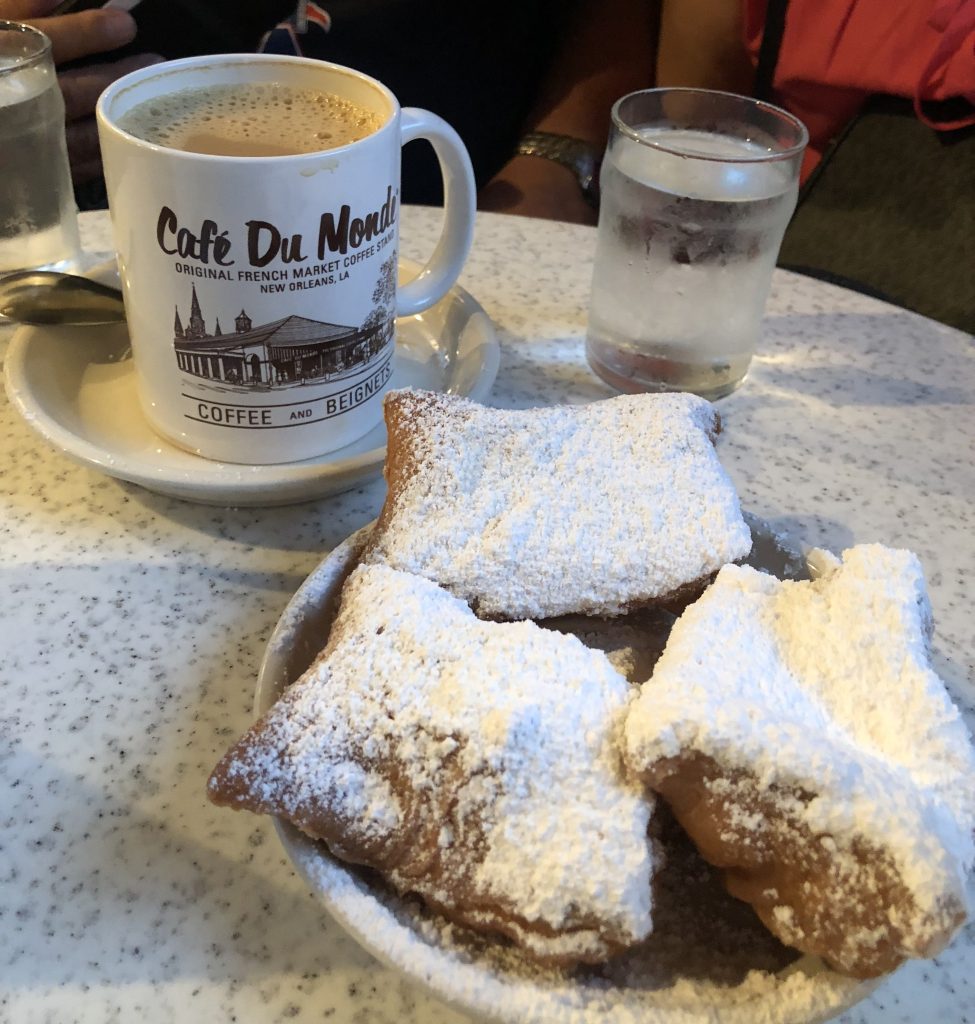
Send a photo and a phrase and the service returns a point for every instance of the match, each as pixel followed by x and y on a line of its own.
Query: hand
pixel 74 37
pixel 531 186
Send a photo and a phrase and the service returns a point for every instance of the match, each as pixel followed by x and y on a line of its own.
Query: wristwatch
pixel 582 158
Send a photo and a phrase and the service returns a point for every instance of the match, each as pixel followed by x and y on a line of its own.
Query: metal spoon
pixel 45 297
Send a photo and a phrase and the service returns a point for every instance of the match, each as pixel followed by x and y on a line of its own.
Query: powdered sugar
pixel 548 511
pixel 708 958
pixel 475 763
pixel 825 686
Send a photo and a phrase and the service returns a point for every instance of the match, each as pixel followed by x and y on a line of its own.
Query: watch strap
pixel 579 156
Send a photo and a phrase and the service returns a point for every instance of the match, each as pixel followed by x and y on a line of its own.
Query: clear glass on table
pixel 38 215
pixel 696 190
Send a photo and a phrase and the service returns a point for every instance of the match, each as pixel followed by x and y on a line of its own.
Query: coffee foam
pixel 253 119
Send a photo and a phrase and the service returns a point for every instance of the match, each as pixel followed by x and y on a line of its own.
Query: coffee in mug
pixel 250 120
pixel 255 208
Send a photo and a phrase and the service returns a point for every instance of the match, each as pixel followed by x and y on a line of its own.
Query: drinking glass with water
pixel 38 216
pixel 697 188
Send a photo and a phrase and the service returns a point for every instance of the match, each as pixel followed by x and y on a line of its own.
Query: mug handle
pixel 444 266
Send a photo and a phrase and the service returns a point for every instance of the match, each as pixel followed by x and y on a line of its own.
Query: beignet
pixel 595 509
pixel 474 763
pixel 801 739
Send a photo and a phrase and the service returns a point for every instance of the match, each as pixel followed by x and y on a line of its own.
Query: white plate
pixel 60 381
pixel 478 977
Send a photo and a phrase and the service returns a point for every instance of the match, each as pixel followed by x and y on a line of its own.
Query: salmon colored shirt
pixel 837 53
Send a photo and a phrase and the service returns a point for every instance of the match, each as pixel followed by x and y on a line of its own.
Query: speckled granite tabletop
pixel 133 625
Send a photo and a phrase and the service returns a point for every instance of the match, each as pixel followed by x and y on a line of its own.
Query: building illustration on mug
pixel 286 352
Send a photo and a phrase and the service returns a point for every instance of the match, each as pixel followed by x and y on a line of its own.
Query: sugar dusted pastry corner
pixel 476 764
pixel 803 741
pixel 598 509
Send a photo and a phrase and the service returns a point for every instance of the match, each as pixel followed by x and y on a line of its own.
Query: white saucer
pixel 59 380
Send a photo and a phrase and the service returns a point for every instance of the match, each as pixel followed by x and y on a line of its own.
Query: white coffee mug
pixel 260 291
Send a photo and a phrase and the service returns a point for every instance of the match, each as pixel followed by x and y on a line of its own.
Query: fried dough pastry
pixel 801 739
pixel 476 764
pixel 594 509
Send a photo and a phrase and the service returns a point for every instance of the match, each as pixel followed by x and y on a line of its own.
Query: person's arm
pixel 73 37
pixel 701 46
pixel 608 51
